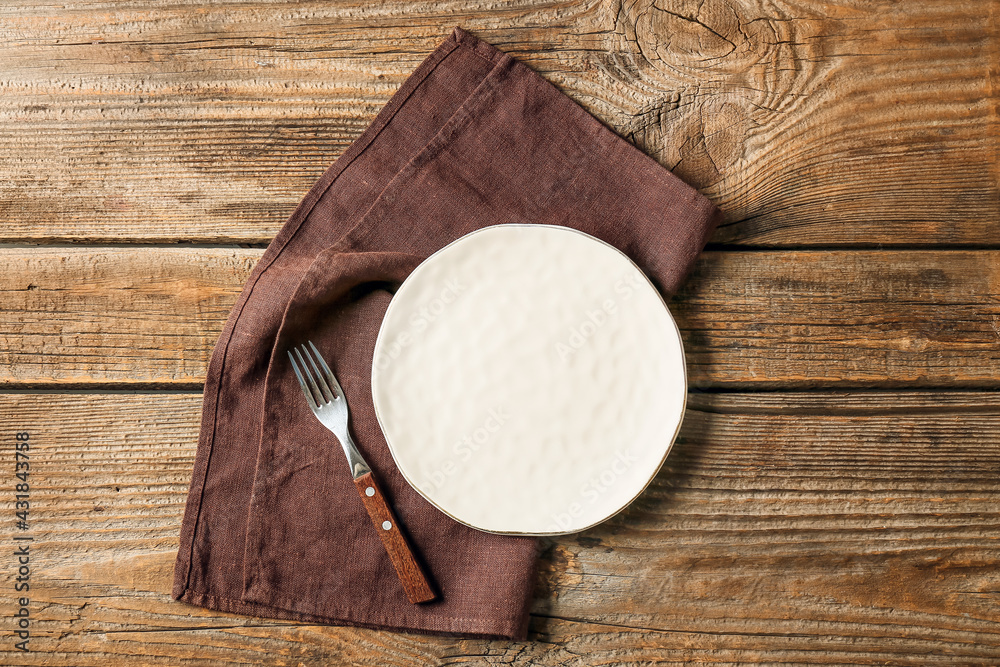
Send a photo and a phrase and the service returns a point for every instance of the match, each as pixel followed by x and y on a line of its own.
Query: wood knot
pixel 715 75
pixel 692 37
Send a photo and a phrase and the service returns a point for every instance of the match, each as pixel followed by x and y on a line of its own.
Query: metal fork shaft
pixel 327 402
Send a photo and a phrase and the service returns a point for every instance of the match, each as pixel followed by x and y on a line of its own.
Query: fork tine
pixel 317 395
pixel 305 389
pixel 326 394
pixel 330 377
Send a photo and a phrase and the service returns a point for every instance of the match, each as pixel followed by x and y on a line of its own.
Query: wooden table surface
pixel 834 496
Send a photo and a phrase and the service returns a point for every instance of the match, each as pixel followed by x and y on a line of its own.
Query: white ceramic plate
pixel 529 380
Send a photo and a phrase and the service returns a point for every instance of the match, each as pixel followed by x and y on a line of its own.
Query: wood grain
pixel 809 123
pixel 846 516
pixel 144 315
pixel 761 319
pixel 850 528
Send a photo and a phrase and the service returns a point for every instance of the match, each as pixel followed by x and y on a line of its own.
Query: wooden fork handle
pixel 414 581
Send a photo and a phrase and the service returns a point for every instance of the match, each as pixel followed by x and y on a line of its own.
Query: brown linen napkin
pixel 273 526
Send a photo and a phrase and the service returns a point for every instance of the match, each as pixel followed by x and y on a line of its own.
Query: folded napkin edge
pixel 463 627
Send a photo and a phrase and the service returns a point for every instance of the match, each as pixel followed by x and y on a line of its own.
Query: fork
pixel 329 403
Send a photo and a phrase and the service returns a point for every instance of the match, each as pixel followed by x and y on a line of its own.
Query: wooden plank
pixel 144 315
pixel 776 533
pixel 821 319
pixel 761 319
pixel 809 123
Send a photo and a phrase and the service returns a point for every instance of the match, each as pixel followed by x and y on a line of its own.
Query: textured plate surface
pixel 529 379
